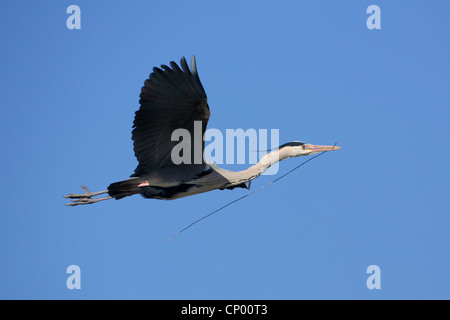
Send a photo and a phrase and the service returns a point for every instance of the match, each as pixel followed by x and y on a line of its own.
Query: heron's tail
pixel 125 188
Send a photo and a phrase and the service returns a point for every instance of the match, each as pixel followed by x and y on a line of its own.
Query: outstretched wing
pixel 172 98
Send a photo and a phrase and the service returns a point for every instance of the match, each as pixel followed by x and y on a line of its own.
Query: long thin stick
pixel 247 195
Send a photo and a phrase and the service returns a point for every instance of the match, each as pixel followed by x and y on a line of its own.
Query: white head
pixel 298 149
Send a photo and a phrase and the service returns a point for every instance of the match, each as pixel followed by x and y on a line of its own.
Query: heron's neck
pixel 258 169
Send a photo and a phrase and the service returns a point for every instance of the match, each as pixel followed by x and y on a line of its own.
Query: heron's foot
pixel 76 202
pixel 85 198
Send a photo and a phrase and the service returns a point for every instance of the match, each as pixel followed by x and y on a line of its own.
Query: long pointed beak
pixel 315 148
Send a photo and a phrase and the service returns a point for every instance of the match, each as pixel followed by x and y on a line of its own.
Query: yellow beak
pixel 316 149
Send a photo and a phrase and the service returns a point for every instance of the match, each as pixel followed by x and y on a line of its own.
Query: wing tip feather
pixel 194 65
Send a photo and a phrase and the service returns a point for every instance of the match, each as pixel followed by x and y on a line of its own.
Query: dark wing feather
pixel 171 98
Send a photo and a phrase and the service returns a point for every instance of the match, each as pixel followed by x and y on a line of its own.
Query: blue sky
pixel 311 69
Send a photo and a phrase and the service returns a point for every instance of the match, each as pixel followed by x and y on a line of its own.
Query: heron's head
pixel 298 148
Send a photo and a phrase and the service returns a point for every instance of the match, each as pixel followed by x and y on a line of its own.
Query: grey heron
pixel 174 98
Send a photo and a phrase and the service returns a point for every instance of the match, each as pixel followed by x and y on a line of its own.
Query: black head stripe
pixel 292 144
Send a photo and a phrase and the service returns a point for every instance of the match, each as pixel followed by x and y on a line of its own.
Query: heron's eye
pixel 304 146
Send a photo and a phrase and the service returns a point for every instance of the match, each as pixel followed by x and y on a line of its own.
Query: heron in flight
pixel 173 98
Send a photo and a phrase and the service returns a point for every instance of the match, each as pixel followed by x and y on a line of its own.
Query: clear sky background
pixel 311 69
